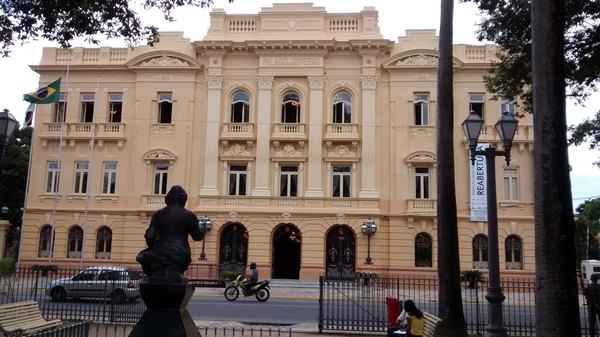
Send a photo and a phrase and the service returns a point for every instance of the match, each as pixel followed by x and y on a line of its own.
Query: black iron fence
pixel 360 304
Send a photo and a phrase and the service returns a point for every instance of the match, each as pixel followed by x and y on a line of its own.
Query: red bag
pixel 393 310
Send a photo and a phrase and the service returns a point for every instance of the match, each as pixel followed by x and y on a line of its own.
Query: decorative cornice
pixel 423 157
pixel 159 155
pixel 418 58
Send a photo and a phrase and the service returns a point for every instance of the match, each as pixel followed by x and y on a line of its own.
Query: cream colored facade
pixel 370 135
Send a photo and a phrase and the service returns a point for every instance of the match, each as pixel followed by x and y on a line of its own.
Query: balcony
pixel 289 131
pixel 342 132
pixel 153 201
pixel 237 131
pixel 421 206
pixel 280 204
pixel 79 131
pixel 524 134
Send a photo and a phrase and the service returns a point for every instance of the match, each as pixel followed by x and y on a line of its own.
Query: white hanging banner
pixel 479 186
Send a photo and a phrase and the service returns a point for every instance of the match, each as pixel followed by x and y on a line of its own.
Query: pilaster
pixel 368 159
pixel 263 135
pixel 211 145
pixel 315 147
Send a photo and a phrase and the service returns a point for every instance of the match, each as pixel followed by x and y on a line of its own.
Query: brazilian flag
pixel 45 95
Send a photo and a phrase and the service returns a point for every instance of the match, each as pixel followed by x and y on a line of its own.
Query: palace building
pixel 290 130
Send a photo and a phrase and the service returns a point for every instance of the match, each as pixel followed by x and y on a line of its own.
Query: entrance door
pixel 286 252
pixel 233 250
pixel 340 253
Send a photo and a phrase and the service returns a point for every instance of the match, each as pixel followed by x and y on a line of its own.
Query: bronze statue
pixel 168 254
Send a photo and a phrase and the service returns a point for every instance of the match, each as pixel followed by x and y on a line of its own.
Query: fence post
pixel 321 304
pixel 477 325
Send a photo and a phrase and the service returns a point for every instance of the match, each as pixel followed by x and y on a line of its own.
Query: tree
pixel 450 300
pixel 587 226
pixel 556 298
pixel 62 21
pixel 13 182
pixel 508 24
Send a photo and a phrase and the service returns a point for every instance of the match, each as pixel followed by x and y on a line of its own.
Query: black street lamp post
pixel 205 225
pixel 8 125
pixel 506 128
pixel 369 229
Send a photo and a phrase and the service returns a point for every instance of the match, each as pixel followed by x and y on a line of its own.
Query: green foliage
pixel 64 20
pixel 588 216
pixel 7 266
pixel 508 24
pixel 472 278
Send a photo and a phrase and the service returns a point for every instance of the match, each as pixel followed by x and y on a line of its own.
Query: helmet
pixel 253 265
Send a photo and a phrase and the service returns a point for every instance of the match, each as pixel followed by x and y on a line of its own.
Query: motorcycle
pixel 260 289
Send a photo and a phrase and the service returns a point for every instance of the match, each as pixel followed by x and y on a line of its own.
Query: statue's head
pixel 176 196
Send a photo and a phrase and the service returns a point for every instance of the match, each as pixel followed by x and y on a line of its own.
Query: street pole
pixel 494 296
pixel 369 260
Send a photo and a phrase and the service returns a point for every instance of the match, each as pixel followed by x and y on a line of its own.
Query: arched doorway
pixel 287 242
pixel 340 252
pixel 233 250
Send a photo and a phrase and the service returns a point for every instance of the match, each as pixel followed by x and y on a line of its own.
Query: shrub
pixel 7 266
pixel 472 277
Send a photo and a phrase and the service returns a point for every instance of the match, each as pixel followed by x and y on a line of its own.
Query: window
pixel 87 108
pixel 508 105
pixel 53 177
pixel 165 107
pixel 476 104
pixel 109 177
pixel 422 178
pixel 342 182
pixel 46 236
pixel 511 184
pixel 115 107
pixel 161 174
pixel 237 179
pixel 87 275
pixel 514 252
pixel 290 108
pixel 75 242
pixel 342 107
pixel 240 107
pixel 423 250
pixel 60 109
pixel 480 251
pixel 288 185
pixel 81 176
pixel 103 243
pixel 422 109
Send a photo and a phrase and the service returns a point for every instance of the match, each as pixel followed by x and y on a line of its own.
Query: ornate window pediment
pixel 159 155
pixel 421 157
pixel 419 58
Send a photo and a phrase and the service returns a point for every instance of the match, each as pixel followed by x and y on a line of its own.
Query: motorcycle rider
pixel 252 277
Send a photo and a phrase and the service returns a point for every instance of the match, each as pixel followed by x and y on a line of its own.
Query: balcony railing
pixel 282 203
pixel 153 201
pixel 104 131
pixel 289 131
pixel 524 133
pixel 237 130
pixel 342 131
pixel 421 205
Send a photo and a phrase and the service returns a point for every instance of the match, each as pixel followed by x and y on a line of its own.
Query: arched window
pixel 514 252
pixel 45 248
pixel 290 107
pixel 423 250
pixel 480 251
pixel 240 106
pixel 342 107
pixel 103 243
pixel 75 242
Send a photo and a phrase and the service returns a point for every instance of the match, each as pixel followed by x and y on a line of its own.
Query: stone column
pixel 315 146
pixel 263 135
pixel 211 145
pixel 368 187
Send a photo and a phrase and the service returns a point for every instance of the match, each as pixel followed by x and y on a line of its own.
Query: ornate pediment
pixel 159 155
pixel 421 157
pixel 236 150
pixel 342 151
pixel 288 150
pixel 164 61
pixel 417 59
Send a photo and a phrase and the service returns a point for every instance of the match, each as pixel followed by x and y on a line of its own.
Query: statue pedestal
pixel 166 312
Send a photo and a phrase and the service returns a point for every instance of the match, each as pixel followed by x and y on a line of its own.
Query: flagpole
pixel 26 204
pixel 60 168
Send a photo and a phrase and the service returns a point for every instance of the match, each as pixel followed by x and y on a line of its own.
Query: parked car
pixel 105 282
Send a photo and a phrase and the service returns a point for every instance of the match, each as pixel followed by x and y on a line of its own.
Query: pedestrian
pixel 416 323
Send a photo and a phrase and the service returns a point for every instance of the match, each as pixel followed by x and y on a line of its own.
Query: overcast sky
pixel 394 18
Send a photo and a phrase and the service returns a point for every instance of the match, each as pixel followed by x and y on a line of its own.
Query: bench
pixel 431 324
pixel 23 318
